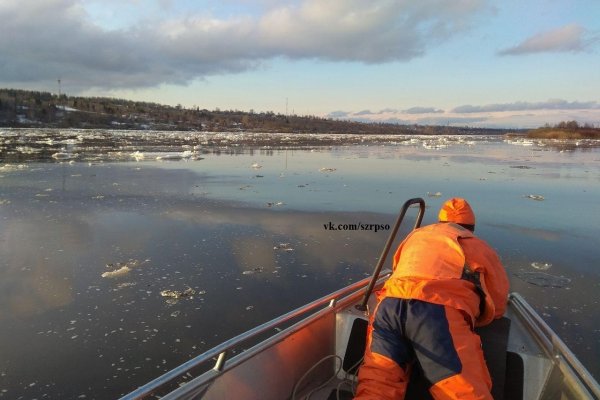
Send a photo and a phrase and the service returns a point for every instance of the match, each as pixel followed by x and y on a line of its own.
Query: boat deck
pixel 343 384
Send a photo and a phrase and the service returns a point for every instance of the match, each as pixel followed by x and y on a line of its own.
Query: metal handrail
pixel 166 378
pixel 363 305
pixel 553 346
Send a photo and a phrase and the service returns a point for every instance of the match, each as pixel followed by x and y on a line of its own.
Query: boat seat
pixel 494 340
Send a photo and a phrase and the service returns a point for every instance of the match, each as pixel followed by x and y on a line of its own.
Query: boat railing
pixel 555 348
pixel 221 351
pixel 386 249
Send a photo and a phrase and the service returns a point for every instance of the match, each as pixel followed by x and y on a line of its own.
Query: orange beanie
pixel 457 210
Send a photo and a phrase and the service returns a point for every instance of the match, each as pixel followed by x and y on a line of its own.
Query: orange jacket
pixel 432 265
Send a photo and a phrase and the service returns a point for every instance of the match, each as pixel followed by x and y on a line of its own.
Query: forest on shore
pixel 565 130
pixel 30 109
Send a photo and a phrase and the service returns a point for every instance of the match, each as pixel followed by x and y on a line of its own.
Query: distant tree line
pixel 566 130
pixel 21 108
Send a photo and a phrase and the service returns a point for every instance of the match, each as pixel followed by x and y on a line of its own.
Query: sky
pixel 478 63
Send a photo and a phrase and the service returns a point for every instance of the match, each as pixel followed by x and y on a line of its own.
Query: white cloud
pixel 43 40
pixel 568 38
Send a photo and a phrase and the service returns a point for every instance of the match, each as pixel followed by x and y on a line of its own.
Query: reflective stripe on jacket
pixel 431 265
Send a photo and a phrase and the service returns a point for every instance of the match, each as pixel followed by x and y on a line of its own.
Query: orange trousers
pixel 406 334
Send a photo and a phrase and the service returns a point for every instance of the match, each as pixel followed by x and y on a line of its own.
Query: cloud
pixel 423 110
pixel 388 111
pixel 451 121
pixel 41 41
pixel 569 38
pixel 555 104
pixel 339 114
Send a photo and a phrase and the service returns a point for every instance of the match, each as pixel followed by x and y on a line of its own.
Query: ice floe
pixel 542 266
pixel 543 279
pixel 536 197
pixel 117 272
pixel 122 268
pixel 284 247
pixel 177 294
pixel 64 156
pixel 252 271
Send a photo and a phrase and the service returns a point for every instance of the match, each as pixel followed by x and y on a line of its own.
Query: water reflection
pixel 545 234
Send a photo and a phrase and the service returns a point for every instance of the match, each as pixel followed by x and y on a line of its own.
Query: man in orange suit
pixel 445 282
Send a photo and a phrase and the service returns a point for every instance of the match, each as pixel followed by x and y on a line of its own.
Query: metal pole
pixel 386 249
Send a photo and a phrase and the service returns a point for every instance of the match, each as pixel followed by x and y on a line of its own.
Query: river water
pixel 100 229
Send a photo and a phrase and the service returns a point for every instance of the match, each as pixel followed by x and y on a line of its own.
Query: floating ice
pixel 327 169
pixel 542 266
pixel 138 156
pixel 436 194
pixel 63 156
pixel 543 279
pixel 284 247
pixel 176 294
pixel 169 157
pixel 116 273
pixel 252 271
pixel 120 269
pixel 125 284
pixel 256 166
pixel 12 167
pixel 536 197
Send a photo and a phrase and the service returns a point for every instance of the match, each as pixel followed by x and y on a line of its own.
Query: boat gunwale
pixel 330 299
pixel 554 348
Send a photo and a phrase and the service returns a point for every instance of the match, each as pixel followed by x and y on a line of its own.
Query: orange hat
pixel 457 210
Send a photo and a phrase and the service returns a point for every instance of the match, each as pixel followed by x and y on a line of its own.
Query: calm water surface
pixel 90 238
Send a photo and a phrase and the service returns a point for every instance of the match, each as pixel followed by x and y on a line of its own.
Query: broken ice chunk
pixel 284 247
pixel 116 273
pixel 536 197
pixel 177 293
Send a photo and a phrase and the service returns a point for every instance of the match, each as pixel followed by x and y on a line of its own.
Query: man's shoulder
pixel 448 228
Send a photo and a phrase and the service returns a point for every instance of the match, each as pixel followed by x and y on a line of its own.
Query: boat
pixel 315 351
